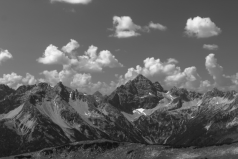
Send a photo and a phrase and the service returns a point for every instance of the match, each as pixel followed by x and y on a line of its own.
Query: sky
pixel 93 45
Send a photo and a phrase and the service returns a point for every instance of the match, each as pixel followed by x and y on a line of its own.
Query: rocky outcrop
pixel 98 96
pixel 5 91
pixel 138 93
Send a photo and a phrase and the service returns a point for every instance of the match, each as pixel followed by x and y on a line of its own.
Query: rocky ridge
pixel 40 116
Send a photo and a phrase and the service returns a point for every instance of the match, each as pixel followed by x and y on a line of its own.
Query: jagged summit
pixel 137 93
pixel 140 77
pixel 60 85
pixel 3 87
pixel 43 85
pixel 24 88
pixel 5 90
pixel 97 93
pixel 215 92
pixel 158 86
pixel 142 85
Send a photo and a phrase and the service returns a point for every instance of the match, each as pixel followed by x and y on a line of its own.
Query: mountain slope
pixel 135 94
pixel 40 116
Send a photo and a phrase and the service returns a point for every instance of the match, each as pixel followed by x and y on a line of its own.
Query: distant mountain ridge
pixel 40 116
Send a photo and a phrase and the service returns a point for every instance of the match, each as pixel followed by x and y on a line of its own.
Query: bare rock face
pixel 138 93
pixel 5 91
pixel 98 96
pixel 40 116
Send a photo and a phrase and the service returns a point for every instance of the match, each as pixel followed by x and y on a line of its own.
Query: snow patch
pixel 139 111
pixel 88 114
pixel 208 126
pixel 168 95
pixel 149 94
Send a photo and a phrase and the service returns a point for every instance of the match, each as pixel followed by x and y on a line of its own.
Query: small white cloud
pixel 51 76
pixel 189 78
pixel 216 71
pixel 29 79
pixel 124 27
pixel 157 26
pixel 5 55
pixel 106 59
pixel 81 80
pixel 12 80
pixel 201 27
pixel 71 46
pixel 53 56
pixel 73 1
pixel 210 46
pixel 205 85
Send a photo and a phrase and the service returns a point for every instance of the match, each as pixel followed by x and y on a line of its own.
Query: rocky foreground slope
pixel 40 116
pixel 105 149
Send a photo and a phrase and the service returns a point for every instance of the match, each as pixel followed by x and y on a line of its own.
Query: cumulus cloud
pixel 201 28
pixel 51 77
pixel 91 61
pixel 210 46
pixel 189 78
pixel 169 74
pixel 124 27
pixel 76 69
pixel 205 85
pixel 71 46
pixel 82 82
pixel 216 71
pixel 73 1
pixel 53 55
pixel 5 55
pixel 157 26
pixel 154 67
pixel 13 80
pixel 29 79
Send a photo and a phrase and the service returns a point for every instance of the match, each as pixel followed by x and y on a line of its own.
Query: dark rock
pixel 5 91
pixel 138 93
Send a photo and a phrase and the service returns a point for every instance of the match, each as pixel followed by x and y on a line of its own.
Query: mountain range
pixel 34 117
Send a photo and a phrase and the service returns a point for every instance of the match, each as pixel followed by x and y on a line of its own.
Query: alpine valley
pixel 140 116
